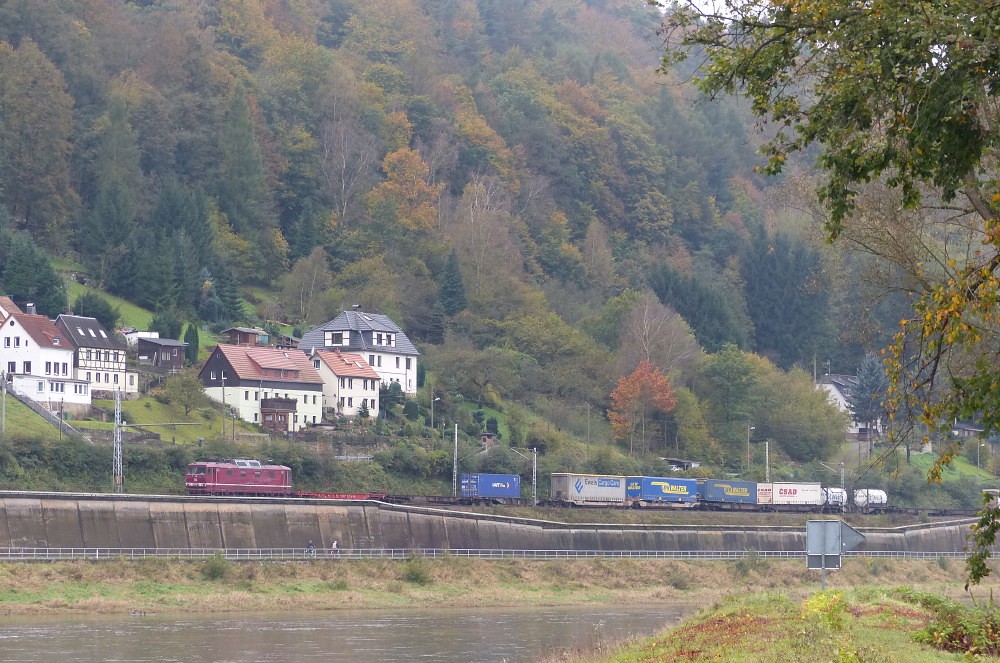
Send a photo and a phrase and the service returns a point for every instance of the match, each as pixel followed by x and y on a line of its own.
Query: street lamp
pixel 432 412
pixel 980 446
pixel 534 472
pixel 749 428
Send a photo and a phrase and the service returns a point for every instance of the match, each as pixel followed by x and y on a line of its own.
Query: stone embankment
pixel 53 520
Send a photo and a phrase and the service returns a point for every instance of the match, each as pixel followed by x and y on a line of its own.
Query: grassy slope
pixel 205 423
pixel 131 315
pixel 23 422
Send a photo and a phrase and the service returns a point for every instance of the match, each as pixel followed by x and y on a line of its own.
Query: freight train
pixel 714 494
pixel 242 477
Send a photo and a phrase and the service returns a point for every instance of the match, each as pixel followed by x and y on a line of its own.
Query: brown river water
pixel 507 635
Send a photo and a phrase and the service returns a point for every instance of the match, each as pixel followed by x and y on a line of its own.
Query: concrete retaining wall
pixel 106 521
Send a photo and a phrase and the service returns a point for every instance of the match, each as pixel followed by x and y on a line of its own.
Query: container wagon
pixel 719 494
pixel 642 492
pixel 493 488
pixel 835 499
pixel 797 496
pixel 570 489
pixel 870 500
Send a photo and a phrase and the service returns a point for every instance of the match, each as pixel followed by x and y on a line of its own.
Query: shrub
pixel 216 568
pixel 417 571
pixel 827 608
pixel 973 630
pixel 751 561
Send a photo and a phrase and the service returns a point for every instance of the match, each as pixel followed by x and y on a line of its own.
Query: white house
pixel 837 388
pixel 99 356
pixel 376 338
pixel 277 389
pixel 348 381
pixel 38 360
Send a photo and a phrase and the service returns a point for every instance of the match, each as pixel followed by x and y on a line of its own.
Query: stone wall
pixel 134 521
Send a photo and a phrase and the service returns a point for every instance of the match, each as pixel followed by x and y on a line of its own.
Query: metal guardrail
pixel 301 554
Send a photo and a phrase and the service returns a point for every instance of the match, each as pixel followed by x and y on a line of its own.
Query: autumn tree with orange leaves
pixel 639 395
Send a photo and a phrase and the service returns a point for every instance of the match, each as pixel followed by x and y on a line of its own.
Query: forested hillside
pixel 509 180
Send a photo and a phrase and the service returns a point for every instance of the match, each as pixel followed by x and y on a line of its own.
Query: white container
pixel 802 494
pixel 588 489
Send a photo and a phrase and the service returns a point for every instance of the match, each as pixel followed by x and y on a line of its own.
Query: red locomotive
pixel 246 477
pixel 237 477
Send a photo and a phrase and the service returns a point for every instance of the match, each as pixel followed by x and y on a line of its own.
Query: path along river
pixel 511 635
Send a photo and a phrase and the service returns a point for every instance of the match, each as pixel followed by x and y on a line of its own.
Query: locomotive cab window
pixel 229 473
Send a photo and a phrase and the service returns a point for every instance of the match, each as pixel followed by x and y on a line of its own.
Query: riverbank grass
pixel 219 585
pixel 863 625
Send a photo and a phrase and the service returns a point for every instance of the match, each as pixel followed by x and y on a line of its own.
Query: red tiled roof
pixel 347 364
pixel 7 304
pixel 270 364
pixel 43 332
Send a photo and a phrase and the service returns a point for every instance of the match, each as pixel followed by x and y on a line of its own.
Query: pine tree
pixel 27 276
pixel 452 291
pixel 114 212
pixel 243 193
pixel 866 399
pixel 191 338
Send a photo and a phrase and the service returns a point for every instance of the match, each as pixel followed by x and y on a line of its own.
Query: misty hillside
pixel 511 181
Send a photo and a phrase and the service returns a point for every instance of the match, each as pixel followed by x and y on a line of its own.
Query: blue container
pixel 730 492
pixel 661 489
pixel 491 485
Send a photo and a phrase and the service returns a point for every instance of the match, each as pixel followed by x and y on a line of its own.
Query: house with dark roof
pixel 376 338
pixel 99 356
pixel 246 336
pixel 278 389
pixel 348 382
pixel 37 360
pixel 160 355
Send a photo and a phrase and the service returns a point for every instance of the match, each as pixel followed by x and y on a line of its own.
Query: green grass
pixel 23 422
pixel 855 626
pixel 131 314
pixel 208 422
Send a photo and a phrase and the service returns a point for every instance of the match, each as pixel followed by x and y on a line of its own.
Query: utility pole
pixel 118 471
pixel 749 428
pixel 222 375
pixel 534 472
pixel 767 460
pixel 454 467
pixel 3 416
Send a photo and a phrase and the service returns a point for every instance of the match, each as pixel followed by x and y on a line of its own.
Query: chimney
pixel 29 308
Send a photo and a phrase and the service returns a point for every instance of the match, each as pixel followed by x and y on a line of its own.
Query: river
pixel 510 635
